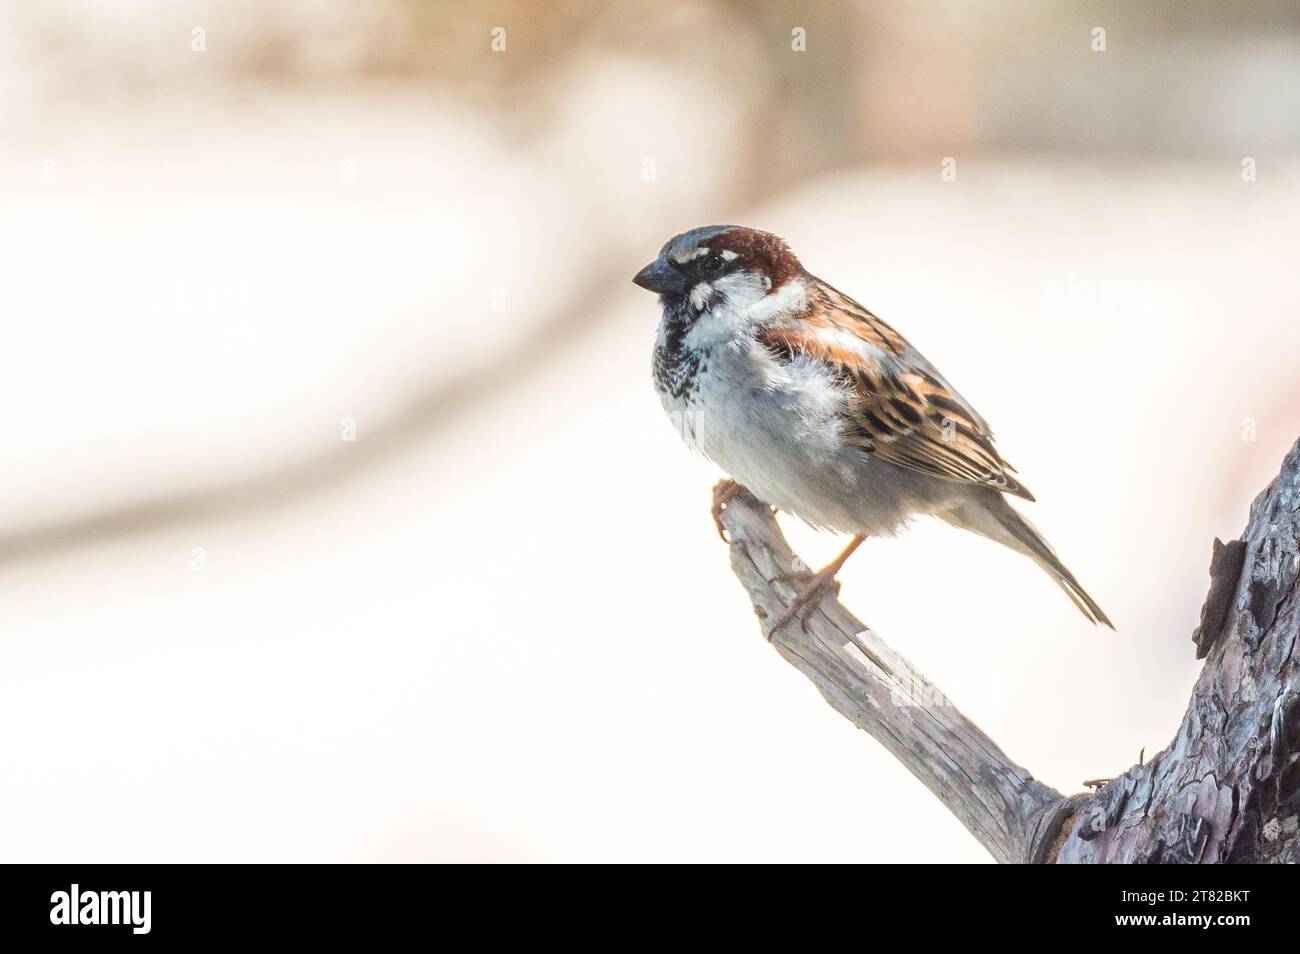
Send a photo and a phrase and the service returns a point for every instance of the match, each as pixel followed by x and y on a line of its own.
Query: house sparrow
pixel 820 408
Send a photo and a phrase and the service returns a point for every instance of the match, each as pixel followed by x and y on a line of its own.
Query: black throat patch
pixel 675 364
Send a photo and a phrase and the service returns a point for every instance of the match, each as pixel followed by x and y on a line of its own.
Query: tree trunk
pixel 1227 789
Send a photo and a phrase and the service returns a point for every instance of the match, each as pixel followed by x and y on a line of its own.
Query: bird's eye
pixel 711 265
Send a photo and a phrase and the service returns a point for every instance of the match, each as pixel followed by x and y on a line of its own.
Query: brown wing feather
pixel 902 410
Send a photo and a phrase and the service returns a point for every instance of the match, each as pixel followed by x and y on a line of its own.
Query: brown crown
pixel 761 251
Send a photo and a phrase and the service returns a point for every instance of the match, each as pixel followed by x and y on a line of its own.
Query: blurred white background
pixel 499 625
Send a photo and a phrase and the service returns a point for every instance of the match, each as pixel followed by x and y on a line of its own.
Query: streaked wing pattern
pixel 902 409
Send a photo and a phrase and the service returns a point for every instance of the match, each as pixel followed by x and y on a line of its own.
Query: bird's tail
pixel 999 521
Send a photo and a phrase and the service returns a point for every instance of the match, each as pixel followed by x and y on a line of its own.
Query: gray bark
pixel 1227 789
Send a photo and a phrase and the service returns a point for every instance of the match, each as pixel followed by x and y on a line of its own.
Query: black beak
pixel 662 278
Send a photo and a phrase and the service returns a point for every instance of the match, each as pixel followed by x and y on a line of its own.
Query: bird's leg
pixel 723 491
pixel 817 584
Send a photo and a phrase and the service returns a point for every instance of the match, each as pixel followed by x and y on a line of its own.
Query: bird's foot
pixel 724 491
pixel 813 587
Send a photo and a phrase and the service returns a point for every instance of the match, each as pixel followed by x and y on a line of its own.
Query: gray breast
pixel 774 428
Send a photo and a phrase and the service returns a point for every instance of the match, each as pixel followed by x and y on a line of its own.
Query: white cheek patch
pixel 742 289
pixel 743 302
pixel 728 255
pixel 790 297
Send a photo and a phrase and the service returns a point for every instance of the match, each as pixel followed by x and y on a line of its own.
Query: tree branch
pixel 292 481
pixel 1226 789
pixel 1012 815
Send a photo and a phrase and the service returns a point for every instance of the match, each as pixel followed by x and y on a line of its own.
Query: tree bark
pixel 1227 789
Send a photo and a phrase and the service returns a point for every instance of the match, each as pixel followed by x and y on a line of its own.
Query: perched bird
pixel 820 408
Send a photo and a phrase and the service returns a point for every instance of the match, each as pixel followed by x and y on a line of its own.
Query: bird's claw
pixel 805 603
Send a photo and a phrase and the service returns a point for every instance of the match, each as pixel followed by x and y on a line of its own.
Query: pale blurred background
pixel 341 520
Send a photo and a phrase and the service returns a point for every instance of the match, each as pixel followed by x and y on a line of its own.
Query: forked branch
pixel 1226 789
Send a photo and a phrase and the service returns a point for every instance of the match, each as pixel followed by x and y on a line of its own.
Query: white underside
pixel 773 427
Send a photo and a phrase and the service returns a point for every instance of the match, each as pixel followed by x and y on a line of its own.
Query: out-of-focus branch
pixel 1227 789
pixel 534 76
pixel 1012 815
pixel 422 415
pixel 296 480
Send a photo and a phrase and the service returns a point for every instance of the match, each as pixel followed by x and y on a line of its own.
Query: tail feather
pixel 999 521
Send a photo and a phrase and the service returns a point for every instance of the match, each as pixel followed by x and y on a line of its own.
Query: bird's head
pixel 720 265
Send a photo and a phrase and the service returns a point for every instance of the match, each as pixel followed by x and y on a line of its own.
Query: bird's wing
pixel 900 409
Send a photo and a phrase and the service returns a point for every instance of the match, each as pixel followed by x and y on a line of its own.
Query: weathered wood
pixel 1227 789
pixel 878 690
